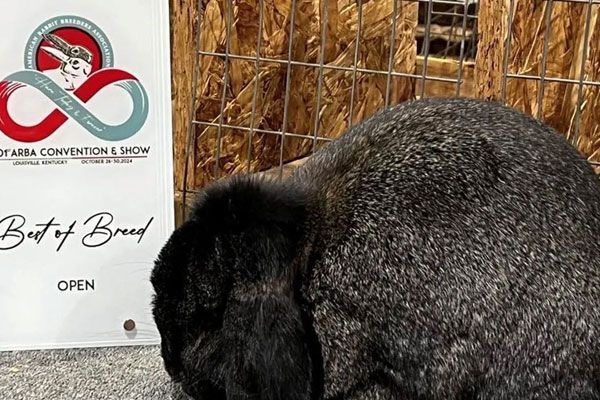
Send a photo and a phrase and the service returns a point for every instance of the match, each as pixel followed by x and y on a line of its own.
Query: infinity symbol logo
pixel 72 105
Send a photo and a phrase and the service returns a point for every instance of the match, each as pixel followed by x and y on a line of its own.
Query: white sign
pixel 86 198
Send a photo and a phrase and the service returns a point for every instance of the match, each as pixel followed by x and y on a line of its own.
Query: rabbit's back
pixel 456 250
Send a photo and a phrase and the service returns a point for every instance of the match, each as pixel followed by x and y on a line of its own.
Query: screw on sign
pixel 129 325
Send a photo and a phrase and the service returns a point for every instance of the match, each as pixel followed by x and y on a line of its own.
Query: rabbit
pixel 444 248
pixel 75 62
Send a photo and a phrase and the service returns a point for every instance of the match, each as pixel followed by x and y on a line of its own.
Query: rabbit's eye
pixel 75 51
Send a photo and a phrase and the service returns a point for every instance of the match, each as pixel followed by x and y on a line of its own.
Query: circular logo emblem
pixel 65 38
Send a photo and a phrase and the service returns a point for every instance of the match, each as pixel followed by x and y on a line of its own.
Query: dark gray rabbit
pixel 442 249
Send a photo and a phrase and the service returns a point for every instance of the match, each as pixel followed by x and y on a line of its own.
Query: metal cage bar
pixel 548 21
pixel 462 46
pixel 288 81
pixel 229 24
pixel 586 44
pixel 323 37
pixel 388 82
pixel 426 46
pixel 261 12
pixel 190 140
pixel 355 62
pixel 507 49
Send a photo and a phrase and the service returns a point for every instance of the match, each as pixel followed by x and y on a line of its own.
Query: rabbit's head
pixel 226 298
pixel 76 67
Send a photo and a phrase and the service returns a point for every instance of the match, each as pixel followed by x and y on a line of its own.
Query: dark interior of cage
pixel 447 30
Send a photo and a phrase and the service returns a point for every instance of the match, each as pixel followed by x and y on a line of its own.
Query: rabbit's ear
pixel 259 224
pixel 270 357
pixel 260 228
pixel 167 278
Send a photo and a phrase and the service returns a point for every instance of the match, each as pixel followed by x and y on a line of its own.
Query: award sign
pixel 86 163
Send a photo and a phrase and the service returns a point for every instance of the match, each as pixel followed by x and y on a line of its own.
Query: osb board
pixel 262 91
pixel 589 139
pixel 493 28
pixel 184 18
pixel 446 68
pixel 530 34
pixel 267 85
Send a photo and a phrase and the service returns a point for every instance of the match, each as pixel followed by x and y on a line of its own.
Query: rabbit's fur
pixel 442 249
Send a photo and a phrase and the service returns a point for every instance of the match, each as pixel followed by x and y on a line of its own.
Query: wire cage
pixel 274 80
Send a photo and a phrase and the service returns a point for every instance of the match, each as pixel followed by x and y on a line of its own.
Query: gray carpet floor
pixel 125 373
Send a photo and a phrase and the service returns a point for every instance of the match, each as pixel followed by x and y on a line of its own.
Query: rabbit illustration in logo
pixel 76 62
pixel 442 249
